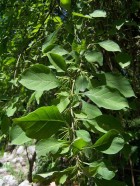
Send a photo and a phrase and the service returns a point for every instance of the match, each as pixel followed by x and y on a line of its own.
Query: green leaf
pixel 90 110
pixel 106 139
pixel 110 143
pixel 98 13
pixel 79 144
pixel 59 50
pixel 64 102
pixel 93 56
pixel 120 83
pixel 110 46
pixel 18 136
pixel 11 110
pixel 105 173
pixel 47 48
pixel 57 61
pixel 84 135
pixel 107 98
pixel 81 84
pixel 102 170
pixel 116 145
pixel 56 175
pixel 42 123
pixel 39 78
pixel 49 146
pixel 38 95
pixel 63 179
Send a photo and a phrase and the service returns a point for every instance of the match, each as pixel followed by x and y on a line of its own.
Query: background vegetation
pixel 70 77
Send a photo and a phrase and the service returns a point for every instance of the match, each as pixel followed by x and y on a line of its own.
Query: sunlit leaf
pixel 18 136
pixel 110 46
pixel 98 13
pixel 39 78
pixel 42 123
pixel 107 98
pixel 45 147
pixel 84 135
pixel 94 56
pixel 57 61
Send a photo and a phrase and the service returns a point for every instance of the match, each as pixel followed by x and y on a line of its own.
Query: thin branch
pixel 132 173
pixel 17 63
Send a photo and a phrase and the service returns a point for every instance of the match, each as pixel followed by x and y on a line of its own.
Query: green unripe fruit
pixel 66 4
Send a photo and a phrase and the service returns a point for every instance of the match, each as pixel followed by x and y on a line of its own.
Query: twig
pixel 31 164
pixel 132 173
pixel 17 63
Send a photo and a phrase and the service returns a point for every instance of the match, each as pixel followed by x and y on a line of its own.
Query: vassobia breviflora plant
pixel 70 88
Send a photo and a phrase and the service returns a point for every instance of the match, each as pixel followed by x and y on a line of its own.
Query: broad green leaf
pixel 89 171
pixel 110 46
pixel 93 56
pixel 119 82
pixel 104 123
pixel 57 174
pixel 81 83
pixel 59 50
pixel 98 13
pixel 113 80
pixel 84 135
pixel 94 126
pixel 42 123
pixel 123 59
pixel 105 173
pixel 63 179
pixel 38 95
pixel 110 143
pixel 79 143
pixel 48 174
pixel 102 170
pixel 106 139
pixel 80 116
pixel 47 48
pixel 64 102
pixel 57 61
pixel 11 110
pixel 90 110
pixel 116 145
pixel 107 98
pixel 18 136
pixel 39 78
pixel 49 146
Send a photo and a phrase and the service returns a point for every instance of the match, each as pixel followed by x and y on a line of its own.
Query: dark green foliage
pixel 70 80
